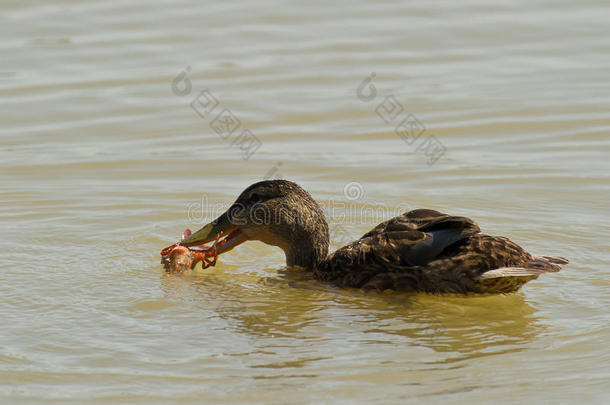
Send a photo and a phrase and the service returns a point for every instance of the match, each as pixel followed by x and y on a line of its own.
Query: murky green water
pixel 104 159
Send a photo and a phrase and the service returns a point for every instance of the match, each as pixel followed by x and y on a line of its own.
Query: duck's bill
pixel 231 235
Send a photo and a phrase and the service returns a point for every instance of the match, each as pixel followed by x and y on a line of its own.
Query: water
pixel 103 162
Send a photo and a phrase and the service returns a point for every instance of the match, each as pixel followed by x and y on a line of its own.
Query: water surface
pixel 103 161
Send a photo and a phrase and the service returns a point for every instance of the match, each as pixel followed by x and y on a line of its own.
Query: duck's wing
pixel 416 237
pixel 425 250
pixel 408 241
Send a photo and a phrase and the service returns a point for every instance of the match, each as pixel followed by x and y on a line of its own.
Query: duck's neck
pixel 309 248
pixel 307 258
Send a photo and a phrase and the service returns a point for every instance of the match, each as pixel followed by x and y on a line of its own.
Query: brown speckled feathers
pixel 425 250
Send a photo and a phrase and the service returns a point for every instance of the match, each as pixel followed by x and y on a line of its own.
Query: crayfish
pixel 178 259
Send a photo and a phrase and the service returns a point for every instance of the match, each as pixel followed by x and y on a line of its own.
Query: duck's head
pixel 278 213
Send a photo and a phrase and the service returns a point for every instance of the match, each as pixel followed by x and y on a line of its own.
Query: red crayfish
pixel 178 259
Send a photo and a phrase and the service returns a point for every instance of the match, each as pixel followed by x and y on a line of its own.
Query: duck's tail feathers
pixel 524 272
pixel 531 269
pixel 554 259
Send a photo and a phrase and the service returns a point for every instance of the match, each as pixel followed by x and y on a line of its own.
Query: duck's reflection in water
pixel 290 305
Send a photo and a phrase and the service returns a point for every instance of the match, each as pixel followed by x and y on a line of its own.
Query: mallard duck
pixel 420 250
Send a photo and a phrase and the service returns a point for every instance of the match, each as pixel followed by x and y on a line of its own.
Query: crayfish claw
pixel 177 258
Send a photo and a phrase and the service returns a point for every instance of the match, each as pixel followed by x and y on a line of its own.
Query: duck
pixel 421 250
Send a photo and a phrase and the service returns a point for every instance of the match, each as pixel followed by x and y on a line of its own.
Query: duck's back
pixel 425 250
